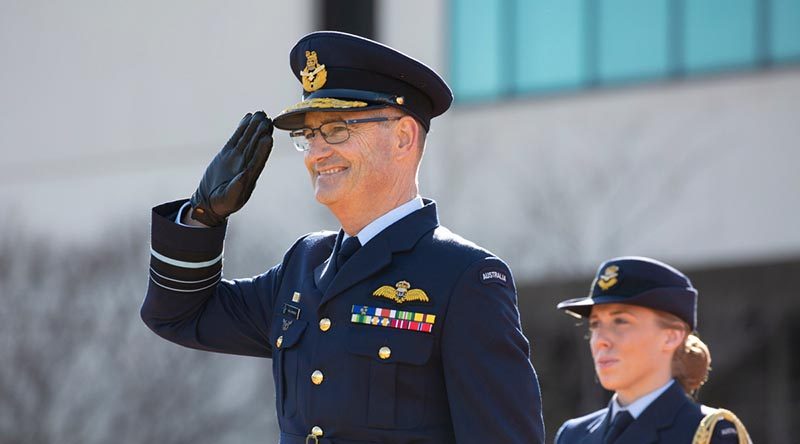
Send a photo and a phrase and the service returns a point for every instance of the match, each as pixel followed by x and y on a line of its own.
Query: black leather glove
pixel 231 177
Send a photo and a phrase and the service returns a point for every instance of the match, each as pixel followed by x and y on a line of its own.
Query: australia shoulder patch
pixel 494 275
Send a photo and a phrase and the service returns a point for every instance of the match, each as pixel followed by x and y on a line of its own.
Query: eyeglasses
pixel 333 132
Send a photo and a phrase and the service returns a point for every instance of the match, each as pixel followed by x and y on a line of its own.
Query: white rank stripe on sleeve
pixel 184 264
pixel 181 290
pixel 179 281
pixel 184 276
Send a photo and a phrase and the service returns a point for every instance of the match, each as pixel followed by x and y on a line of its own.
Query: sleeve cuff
pixel 182 258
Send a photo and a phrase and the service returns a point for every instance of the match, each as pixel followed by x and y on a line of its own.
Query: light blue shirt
pixel 179 217
pixel 372 229
pixel 383 222
pixel 637 407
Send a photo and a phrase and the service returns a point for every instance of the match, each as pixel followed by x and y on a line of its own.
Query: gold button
pixel 385 352
pixel 316 431
pixel 317 377
pixel 279 342
pixel 324 324
pixel 400 100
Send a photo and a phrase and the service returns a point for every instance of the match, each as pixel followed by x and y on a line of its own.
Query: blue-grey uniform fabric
pixel 468 380
pixel 671 419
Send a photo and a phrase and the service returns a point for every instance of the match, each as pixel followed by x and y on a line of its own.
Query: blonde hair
pixel 691 362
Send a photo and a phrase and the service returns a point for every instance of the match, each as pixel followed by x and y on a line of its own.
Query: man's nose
pixel 318 148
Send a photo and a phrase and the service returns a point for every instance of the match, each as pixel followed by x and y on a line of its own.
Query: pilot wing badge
pixel 401 293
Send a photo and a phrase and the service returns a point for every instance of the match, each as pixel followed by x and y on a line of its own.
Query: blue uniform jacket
pixel 671 419
pixel 416 339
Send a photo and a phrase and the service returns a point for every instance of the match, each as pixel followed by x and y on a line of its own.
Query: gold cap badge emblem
pixel 609 277
pixel 314 74
pixel 402 293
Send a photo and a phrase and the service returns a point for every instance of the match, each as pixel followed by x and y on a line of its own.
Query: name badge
pixel 291 311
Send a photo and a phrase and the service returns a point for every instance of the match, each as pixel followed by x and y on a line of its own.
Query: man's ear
pixel 406 133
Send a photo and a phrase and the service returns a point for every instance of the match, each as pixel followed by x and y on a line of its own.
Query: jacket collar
pixel 597 429
pixel 377 253
pixel 660 414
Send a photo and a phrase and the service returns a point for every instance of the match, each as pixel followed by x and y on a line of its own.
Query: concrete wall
pixel 112 107
pixel 693 172
pixel 701 171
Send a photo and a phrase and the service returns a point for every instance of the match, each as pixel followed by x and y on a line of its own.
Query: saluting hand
pixel 231 177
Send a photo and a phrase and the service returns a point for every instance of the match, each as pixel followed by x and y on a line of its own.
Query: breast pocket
pixel 285 365
pixel 398 375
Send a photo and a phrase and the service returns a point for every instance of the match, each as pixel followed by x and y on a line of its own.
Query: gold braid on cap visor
pixel 324 102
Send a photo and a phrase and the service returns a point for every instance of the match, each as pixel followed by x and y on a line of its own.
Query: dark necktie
pixel 621 422
pixel 349 246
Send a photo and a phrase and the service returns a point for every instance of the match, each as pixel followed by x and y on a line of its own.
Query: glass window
pixel 476 64
pixel 502 47
pixel 785 35
pixel 550 46
pixel 633 39
pixel 719 34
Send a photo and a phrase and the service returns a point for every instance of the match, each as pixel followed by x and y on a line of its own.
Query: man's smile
pixel 327 171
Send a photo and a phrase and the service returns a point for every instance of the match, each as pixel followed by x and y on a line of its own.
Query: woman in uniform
pixel 641 314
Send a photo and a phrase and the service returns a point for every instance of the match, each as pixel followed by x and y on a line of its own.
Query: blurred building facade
pixel 663 128
pixel 581 130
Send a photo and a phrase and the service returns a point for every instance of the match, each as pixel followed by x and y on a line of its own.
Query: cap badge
pixel 609 277
pixel 401 293
pixel 314 74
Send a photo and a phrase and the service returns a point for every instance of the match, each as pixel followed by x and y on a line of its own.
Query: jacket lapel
pixel 377 253
pixel 658 415
pixel 324 272
pixel 597 430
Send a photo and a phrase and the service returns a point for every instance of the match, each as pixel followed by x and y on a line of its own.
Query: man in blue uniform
pixel 394 329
